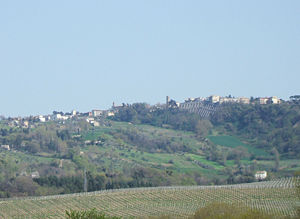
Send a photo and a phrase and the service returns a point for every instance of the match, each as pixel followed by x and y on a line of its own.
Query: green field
pixel 231 141
pixel 177 162
pixel 276 197
pixel 116 152
pixel 125 153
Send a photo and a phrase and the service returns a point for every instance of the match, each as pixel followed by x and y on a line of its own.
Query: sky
pixel 84 55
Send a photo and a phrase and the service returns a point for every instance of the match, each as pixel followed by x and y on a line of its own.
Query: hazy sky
pixel 64 55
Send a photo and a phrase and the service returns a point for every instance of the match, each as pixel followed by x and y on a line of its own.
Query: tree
pixel 295 98
pixel 203 128
pixel 276 159
pixel 26 185
pixel 88 214
pixel 33 147
pixel 238 153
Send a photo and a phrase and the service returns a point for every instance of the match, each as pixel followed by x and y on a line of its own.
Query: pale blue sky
pixel 64 55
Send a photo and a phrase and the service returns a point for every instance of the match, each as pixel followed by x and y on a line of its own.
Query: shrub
pixel 88 214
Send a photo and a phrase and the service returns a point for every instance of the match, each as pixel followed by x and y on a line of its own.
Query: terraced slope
pixel 277 196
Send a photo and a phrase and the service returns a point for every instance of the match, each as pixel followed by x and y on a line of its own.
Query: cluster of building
pixel 202 106
pixel 205 106
pixel 30 122
pixel 229 99
pixel 214 99
pixel 33 175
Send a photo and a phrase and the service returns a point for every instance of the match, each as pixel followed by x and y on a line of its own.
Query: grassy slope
pixel 231 141
pixel 181 162
pixel 115 154
pixel 177 162
pixel 288 165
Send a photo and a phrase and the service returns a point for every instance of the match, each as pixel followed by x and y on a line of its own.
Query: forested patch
pixel 264 126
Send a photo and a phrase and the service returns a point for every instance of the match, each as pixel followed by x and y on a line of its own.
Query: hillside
pixel 276 197
pixel 141 147
pixel 264 126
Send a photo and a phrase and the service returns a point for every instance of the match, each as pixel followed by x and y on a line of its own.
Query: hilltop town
pixel 202 106
pixel 214 99
pixel 206 106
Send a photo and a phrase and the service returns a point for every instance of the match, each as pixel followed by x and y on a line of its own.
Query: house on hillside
pixel 42 119
pixel 73 112
pixel 56 116
pixel 260 175
pixel 263 100
pixel 274 100
pixel 59 117
pixel 269 100
pixel 90 120
pixel 110 113
pixel 214 99
pixel 5 146
pixel 97 113
pixel 96 124
pixel 228 100
pixel 25 124
pixel 244 100
pixel 35 175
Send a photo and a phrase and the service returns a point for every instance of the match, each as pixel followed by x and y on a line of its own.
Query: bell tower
pixel 167 101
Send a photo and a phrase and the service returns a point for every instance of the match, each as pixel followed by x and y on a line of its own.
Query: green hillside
pixel 141 147
pixel 233 142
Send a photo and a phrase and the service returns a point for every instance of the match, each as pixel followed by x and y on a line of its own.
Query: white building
pixel 110 113
pixel 35 174
pixel 25 124
pixel 59 117
pixel 214 99
pixel 73 112
pixel 96 113
pixel 274 100
pixel 260 175
pixel 244 100
pixel 263 100
pixel 90 120
pixel 56 116
pixel 42 119
pixel 96 124
pixel 228 100
pixel 65 117
pixel 5 146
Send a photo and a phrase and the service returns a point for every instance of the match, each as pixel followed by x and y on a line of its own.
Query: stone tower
pixel 167 101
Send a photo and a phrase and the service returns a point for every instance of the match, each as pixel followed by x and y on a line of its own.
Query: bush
pixel 88 214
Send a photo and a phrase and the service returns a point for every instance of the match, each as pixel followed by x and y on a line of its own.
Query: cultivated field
pixel 278 196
